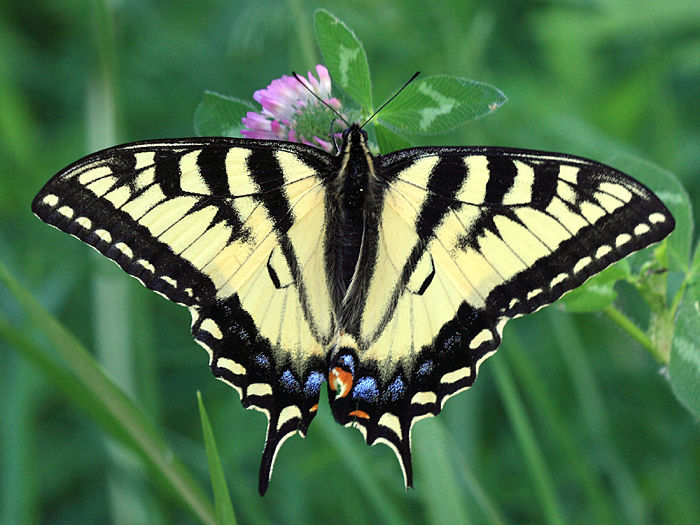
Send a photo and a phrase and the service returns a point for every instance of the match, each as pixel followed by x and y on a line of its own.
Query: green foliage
pixel 443 499
pixel 84 381
pixel 344 57
pixel 387 140
pixel 440 103
pixel 684 367
pixel 599 291
pixel 220 116
pixel 539 474
pixel 429 105
pixel 569 422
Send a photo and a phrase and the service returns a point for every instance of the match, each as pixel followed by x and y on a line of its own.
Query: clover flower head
pixel 291 112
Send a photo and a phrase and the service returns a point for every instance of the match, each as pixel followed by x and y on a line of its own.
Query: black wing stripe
pixel 284 240
pixel 421 246
pixel 501 179
pixel 544 186
pixel 212 168
pixel 167 172
pixel 440 188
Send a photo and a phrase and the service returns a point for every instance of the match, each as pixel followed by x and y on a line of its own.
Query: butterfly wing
pixel 230 229
pixel 466 239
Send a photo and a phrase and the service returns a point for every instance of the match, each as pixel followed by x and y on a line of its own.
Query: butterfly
pixel 388 277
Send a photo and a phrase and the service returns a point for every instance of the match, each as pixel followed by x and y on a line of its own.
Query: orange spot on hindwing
pixel 340 381
pixel 359 413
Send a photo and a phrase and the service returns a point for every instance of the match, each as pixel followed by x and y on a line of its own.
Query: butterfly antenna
pixel 392 97
pixel 303 82
pixel 332 136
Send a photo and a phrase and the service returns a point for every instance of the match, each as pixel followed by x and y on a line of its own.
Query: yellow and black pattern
pixel 486 235
pixel 391 277
pixel 230 229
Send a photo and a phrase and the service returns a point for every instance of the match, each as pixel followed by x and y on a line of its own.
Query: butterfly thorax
pixel 355 170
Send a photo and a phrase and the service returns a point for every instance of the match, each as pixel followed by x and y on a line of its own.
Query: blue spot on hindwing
pixel 396 389
pixel 313 383
pixel 262 361
pixel 366 389
pixel 348 362
pixel 425 368
pixel 289 382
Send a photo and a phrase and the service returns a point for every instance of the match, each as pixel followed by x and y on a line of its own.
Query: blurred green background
pixel 592 78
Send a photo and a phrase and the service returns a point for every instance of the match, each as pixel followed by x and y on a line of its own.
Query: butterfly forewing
pixel 516 229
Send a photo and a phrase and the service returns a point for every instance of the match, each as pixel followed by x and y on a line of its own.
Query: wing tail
pixel 282 424
pixel 287 394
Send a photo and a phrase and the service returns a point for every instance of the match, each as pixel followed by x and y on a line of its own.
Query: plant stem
pixel 634 331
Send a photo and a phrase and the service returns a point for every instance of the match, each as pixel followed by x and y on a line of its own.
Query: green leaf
pixel 669 189
pixel 109 405
pixel 599 291
pixel 684 368
pixel 222 500
pixel 439 103
pixel 344 57
pixel 220 116
pixel 389 141
pixel 694 272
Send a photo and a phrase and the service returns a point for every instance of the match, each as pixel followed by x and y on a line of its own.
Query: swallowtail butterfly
pixel 388 277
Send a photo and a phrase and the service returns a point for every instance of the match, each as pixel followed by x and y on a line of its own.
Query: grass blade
pixel 592 406
pixel 554 423
pixel 382 503
pixel 440 492
pixel 222 499
pixel 525 434
pixel 95 388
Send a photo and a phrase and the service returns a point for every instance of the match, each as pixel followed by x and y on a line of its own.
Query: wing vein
pixel 459 269
pixel 261 242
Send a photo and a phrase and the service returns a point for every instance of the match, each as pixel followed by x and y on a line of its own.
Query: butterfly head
pixel 355 140
pixel 354 133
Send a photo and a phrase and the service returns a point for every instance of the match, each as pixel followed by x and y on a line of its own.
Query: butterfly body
pixel 353 193
pixel 388 277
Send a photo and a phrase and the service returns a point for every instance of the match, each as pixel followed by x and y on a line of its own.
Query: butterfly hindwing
pixel 229 228
pixel 468 238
